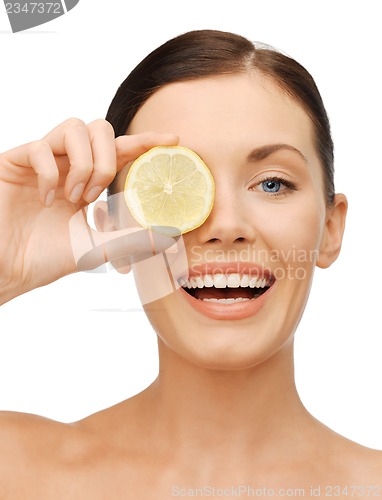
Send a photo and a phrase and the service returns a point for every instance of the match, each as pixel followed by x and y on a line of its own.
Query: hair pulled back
pixel 206 53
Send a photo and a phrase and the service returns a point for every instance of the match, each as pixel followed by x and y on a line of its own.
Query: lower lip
pixel 238 310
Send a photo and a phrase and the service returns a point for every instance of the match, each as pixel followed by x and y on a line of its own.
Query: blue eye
pixel 271 186
pixel 275 186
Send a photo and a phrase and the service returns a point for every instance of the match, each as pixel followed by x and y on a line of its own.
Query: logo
pixel 26 14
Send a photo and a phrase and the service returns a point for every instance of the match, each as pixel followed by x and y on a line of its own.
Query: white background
pixel 83 343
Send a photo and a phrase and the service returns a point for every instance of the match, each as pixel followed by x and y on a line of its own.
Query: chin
pixel 221 346
pixel 228 336
pixel 224 358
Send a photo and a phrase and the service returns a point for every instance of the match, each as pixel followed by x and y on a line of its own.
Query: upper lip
pixel 213 268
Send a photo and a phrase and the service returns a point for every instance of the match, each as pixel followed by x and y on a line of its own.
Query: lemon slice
pixel 171 187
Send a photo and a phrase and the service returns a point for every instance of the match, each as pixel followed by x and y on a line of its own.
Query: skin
pixel 224 409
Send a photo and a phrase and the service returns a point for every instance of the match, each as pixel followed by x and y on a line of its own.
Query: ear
pixel 333 231
pixel 105 222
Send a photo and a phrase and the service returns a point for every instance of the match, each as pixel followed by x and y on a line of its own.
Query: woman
pixel 223 417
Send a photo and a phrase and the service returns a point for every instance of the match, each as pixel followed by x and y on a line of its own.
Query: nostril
pixel 240 240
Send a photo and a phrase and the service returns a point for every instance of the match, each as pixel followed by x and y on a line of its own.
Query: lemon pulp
pixel 170 187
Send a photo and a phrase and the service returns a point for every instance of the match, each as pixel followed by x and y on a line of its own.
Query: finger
pixel 139 244
pixel 129 147
pixel 102 140
pixel 135 246
pixel 72 139
pixel 38 156
pixel 93 248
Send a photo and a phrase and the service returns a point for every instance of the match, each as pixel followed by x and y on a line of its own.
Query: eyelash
pixel 290 186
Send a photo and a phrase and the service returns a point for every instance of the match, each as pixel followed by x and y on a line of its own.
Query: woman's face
pixel 266 228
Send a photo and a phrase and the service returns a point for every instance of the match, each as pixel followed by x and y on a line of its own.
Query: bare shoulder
pixel 42 458
pixel 18 431
pixel 32 446
pixel 367 466
pixel 337 460
pixel 24 436
pixel 360 465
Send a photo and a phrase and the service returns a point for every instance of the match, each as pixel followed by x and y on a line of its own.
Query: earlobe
pixel 333 232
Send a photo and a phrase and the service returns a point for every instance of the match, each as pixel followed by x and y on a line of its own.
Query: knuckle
pixel 85 169
pixel 40 146
pixel 50 176
pixel 39 156
pixel 74 123
pixel 103 126
pixel 119 142
pixel 51 173
pixel 107 176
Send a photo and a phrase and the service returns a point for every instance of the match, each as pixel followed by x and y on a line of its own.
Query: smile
pixel 226 288
pixel 227 291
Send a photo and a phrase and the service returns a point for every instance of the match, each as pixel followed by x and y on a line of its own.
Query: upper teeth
pixel 234 280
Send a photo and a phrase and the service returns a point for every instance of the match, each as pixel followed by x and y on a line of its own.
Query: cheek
pixel 294 237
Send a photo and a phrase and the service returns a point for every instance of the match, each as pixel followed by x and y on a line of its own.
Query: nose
pixel 230 220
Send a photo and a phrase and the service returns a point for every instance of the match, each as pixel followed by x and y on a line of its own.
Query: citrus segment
pixel 170 186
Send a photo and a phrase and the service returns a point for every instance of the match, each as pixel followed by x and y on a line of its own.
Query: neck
pixel 213 412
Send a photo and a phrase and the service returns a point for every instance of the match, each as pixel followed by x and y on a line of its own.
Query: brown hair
pixel 205 53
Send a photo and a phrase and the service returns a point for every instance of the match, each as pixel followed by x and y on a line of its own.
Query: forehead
pixel 225 112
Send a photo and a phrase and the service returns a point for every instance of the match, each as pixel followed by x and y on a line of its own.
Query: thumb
pixel 93 248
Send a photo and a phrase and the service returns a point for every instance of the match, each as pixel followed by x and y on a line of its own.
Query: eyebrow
pixel 262 152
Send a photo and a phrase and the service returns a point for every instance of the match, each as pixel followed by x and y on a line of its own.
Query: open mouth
pixel 227 288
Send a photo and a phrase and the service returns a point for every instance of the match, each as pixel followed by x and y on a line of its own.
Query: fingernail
pixel 76 193
pixel 93 193
pixel 50 198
